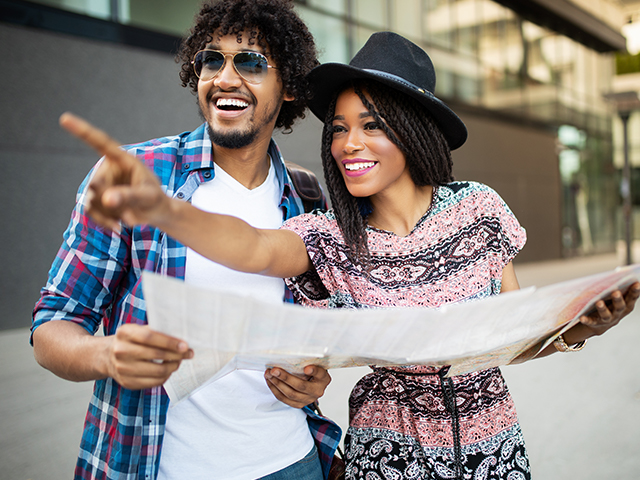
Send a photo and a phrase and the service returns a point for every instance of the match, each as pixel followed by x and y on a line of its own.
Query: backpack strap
pixel 306 184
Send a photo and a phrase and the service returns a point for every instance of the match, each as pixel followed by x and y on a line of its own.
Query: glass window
pixel 500 54
pixel 538 64
pixel 467 38
pixel 93 8
pixel 167 16
pixel 468 87
pixel 444 76
pixel 407 17
pixel 464 17
pixel 513 46
pixel 162 15
pixel 330 34
pixel 374 13
pixel 337 7
pixel 438 24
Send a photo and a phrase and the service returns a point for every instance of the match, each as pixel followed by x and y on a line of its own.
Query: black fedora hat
pixel 394 61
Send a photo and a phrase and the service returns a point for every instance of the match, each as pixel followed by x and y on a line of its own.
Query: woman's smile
pixel 358 166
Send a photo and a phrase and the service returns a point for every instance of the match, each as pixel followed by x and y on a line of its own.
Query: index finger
pixel 92 136
pixel 287 377
pixel 144 335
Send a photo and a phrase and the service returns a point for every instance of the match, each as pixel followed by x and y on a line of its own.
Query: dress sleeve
pixel 512 236
pixel 86 272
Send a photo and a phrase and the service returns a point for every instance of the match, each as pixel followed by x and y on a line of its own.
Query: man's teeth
pixel 352 167
pixel 231 102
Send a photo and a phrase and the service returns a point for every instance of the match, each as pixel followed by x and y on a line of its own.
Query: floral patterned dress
pixel 412 422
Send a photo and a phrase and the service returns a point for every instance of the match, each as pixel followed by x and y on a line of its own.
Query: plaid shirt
pixel 96 279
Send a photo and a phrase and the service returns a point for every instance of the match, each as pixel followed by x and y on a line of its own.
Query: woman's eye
pixel 371 126
pixel 337 129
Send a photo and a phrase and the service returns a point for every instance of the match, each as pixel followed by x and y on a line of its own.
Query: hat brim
pixel 328 78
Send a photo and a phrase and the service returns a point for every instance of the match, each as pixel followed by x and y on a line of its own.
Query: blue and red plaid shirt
pixel 96 280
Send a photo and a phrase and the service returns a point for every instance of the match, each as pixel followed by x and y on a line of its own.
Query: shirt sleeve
pixel 86 272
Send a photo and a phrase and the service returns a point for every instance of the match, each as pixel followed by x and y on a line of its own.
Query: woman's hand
pixel 122 188
pixel 608 312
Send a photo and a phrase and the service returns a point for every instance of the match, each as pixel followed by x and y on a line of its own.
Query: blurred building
pixel 627 81
pixel 527 76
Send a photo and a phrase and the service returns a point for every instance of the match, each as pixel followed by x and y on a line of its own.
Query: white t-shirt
pixel 234 428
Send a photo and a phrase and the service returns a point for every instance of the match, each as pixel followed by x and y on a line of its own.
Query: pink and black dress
pixel 412 422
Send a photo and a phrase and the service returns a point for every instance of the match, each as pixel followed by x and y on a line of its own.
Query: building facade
pixel 526 76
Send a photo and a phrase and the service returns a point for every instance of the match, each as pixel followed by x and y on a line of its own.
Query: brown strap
pixel 305 182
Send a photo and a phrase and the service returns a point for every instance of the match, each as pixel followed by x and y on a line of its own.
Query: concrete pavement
pixel 41 415
pixel 580 412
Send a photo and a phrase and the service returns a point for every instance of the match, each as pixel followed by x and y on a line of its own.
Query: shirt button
pixel 180 195
pixel 186 166
pixel 207 174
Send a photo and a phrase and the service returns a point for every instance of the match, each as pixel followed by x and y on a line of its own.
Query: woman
pixel 401 233
pixel 419 240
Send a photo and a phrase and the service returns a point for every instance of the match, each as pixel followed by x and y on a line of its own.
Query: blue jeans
pixel 308 468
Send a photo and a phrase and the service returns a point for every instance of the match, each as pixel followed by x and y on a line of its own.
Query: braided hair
pixel 411 128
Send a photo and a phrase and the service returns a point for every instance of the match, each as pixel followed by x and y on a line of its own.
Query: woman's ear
pixel 288 97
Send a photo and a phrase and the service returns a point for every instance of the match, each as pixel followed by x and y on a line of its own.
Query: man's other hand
pixel 298 390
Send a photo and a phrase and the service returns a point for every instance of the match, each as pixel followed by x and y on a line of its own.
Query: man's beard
pixel 232 139
pixel 238 139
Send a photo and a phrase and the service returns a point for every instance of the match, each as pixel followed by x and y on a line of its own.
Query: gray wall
pixel 136 95
pixel 133 94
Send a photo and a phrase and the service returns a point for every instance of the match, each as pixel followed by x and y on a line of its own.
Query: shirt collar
pixel 281 172
pixel 199 155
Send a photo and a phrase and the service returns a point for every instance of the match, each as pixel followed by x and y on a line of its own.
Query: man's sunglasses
pixel 251 66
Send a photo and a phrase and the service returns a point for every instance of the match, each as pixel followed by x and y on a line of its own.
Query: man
pixel 246 61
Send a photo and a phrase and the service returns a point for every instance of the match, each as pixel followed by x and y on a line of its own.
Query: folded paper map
pixel 230 331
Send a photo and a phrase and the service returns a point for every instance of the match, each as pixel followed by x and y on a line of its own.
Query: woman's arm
pixel 509 279
pixel 124 189
pixel 606 314
pixel 234 243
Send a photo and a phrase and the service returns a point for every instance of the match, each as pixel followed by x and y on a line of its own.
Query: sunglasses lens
pixel 251 66
pixel 207 64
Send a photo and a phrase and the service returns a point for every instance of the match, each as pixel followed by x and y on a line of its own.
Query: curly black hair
pixel 409 126
pixel 271 24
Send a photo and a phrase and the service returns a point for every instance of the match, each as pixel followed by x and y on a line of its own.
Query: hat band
pixel 398 79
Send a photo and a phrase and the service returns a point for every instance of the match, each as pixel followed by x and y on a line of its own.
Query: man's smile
pixel 231 104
